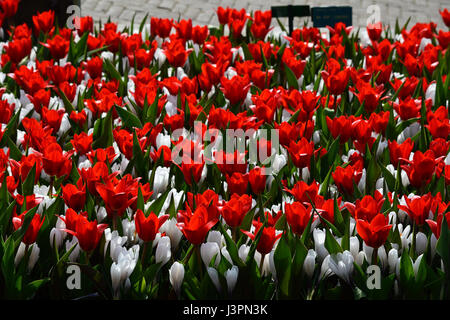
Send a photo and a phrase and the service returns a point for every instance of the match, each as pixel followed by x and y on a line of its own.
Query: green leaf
pixel 291 78
pixel 331 243
pixel 231 247
pixel 283 265
pixel 129 120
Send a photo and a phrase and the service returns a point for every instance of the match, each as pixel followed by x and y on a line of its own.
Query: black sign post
pixel 290 11
pixel 329 16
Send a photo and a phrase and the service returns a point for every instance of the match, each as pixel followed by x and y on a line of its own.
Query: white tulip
pixel 208 251
pixel 214 275
pixel 115 277
pixel 217 237
pixel 243 252
pixel 161 181
pixel 310 263
pixel 319 244
pixel 226 254
pixel 163 252
pixel 231 275
pixel 360 258
pixel 354 246
pixel 325 270
pixel 342 265
pixel 176 276
pixel 170 228
pixel 421 243
pixel 392 260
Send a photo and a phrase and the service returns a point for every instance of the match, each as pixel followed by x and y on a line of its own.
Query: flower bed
pixel 117 179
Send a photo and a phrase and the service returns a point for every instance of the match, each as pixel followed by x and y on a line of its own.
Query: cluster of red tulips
pixel 110 160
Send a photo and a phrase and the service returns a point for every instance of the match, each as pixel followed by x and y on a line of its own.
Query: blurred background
pixel 203 12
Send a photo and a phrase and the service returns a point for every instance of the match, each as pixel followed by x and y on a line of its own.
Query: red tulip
pixel 436 226
pixel 74 196
pixel 56 163
pixel 160 27
pixel 87 233
pixel 58 46
pixel 367 208
pixel 21 169
pixel 445 14
pixel 236 208
pixel 418 208
pixel 176 53
pixel 117 197
pixel 71 218
pixel 374 31
pixel 303 192
pixel 257 180
pixel 374 233
pixel 344 178
pixel 195 226
pixel 148 227
pixel 235 89
pixel 301 153
pixel 267 239
pixel 237 183
pixel 398 151
pixel 297 216
pixel 33 228
pixel 82 142
pixel 421 169
pixel 44 21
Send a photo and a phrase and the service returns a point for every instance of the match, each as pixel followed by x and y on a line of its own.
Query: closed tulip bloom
pixel 208 251
pixel 297 216
pixel 163 253
pixel 310 263
pixel 236 208
pixel 44 21
pixel 257 180
pixel 56 162
pixel 148 227
pixel 237 183
pixel 231 275
pixel 176 276
pixel 74 196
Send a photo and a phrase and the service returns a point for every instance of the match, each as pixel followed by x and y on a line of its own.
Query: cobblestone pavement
pixel 203 12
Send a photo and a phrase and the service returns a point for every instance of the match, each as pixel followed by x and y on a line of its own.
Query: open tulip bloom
pixel 176 161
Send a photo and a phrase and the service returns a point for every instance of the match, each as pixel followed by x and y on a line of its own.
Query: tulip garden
pixel 350 201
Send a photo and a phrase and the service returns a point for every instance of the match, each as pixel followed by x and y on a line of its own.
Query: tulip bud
pixel 171 230
pixel 214 275
pixel 208 251
pixel 325 270
pixel 231 275
pixel 115 277
pixel 215 236
pixel 354 246
pixel 163 253
pixel 243 252
pixel 392 260
pixel 417 264
pixel 310 263
pixel 226 254
pixel 176 275
pixel 360 258
pixel 421 243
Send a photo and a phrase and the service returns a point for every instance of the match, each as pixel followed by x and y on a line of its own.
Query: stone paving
pixel 203 12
